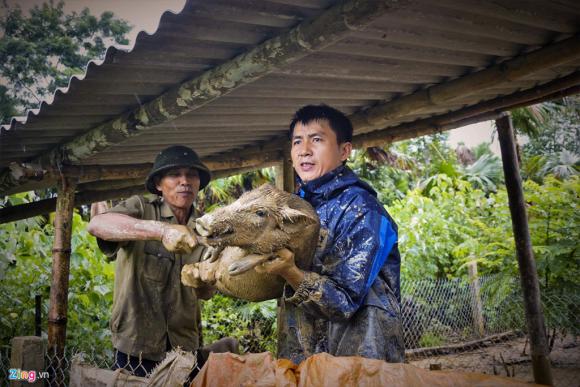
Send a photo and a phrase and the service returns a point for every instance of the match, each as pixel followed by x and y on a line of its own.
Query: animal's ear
pixel 292 215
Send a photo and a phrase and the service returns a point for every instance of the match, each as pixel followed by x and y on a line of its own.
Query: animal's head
pixel 262 220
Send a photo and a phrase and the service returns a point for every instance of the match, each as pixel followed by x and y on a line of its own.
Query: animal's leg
pixel 246 263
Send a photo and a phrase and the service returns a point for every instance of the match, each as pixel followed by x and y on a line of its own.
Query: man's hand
pixel 178 238
pixel 280 263
pixel 198 274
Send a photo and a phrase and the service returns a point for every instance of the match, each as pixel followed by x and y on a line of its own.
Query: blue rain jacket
pixel 349 303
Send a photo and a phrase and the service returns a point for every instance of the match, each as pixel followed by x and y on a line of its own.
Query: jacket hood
pixel 331 184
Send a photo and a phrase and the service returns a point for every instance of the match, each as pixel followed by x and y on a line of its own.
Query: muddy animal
pixel 247 232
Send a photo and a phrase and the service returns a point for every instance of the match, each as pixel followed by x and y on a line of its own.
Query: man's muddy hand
pixel 279 263
pixel 177 238
pixel 199 274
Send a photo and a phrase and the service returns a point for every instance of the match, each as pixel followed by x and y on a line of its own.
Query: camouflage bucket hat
pixel 177 156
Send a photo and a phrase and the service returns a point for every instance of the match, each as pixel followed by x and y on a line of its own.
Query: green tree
pixel 436 228
pixel 390 172
pixel 560 130
pixel 555 149
pixel 39 52
pixel 530 120
pixel 7 105
pixel 455 223
pixel 485 173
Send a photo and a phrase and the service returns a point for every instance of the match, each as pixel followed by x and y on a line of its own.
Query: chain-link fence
pixel 476 326
pixel 480 327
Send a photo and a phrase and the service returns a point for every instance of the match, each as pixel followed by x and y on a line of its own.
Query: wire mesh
pixel 4 364
pixel 447 325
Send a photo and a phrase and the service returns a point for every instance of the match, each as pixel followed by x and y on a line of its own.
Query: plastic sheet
pixel 226 369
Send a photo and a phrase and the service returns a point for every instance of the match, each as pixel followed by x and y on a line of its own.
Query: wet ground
pixel 509 359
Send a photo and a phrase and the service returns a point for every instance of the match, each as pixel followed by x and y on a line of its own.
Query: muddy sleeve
pixel 132 207
pixel 363 241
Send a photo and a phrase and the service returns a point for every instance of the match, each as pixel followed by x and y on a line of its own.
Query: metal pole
pixel 526 262
pixel 37 315
pixel 57 314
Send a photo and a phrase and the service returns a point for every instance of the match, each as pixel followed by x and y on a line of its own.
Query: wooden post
pixel 476 305
pixel 289 174
pixel 285 180
pixel 279 171
pixel 527 265
pixel 57 313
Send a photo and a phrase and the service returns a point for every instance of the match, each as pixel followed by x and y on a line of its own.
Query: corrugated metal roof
pixel 418 45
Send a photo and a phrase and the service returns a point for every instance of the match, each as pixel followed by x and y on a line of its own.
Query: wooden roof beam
pixel 95 192
pixel 32 176
pixel 445 122
pixel 488 110
pixel 555 54
pixel 558 88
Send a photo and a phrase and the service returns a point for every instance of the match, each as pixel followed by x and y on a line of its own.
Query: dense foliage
pixel 456 223
pixel 253 324
pixel 25 271
pixel 40 51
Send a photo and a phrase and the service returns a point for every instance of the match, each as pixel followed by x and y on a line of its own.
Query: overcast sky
pixel 145 15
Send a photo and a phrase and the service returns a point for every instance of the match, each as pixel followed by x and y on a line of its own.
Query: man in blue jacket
pixel 349 303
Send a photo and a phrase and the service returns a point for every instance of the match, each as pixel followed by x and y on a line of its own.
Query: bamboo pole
pixel 31 177
pixel 107 185
pixel 420 353
pixel 98 193
pixel 285 174
pixel 489 110
pixel 279 175
pixel 61 251
pixel 416 129
pixel 438 95
pixel 526 262
pixel 23 211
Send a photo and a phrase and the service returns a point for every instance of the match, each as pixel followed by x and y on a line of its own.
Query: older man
pixel 151 239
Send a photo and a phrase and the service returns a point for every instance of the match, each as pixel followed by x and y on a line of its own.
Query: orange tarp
pixel 261 369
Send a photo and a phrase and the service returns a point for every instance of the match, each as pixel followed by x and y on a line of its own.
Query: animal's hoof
pixel 212 254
